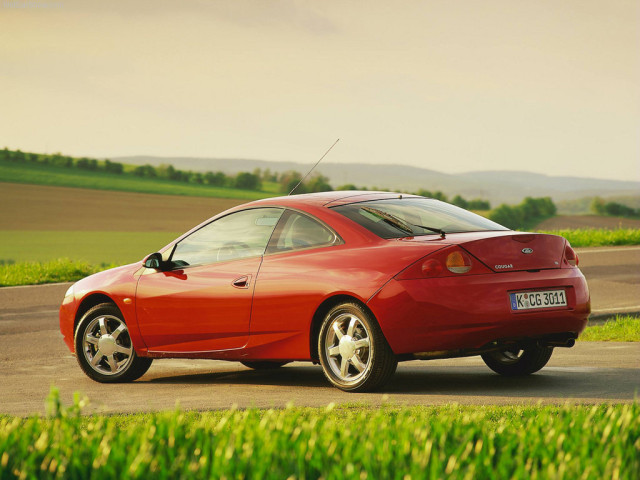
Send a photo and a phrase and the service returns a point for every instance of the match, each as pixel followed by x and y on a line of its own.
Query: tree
pixel 288 180
pixel 319 183
pixel 510 217
pixel 113 167
pixel 83 163
pixel 438 195
pixel 597 206
pixel 248 181
pixel 460 202
pixel 18 156
pixel 145 171
pixel 217 179
pixel 478 204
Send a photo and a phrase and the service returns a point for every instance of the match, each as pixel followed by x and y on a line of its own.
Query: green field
pixel 93 247
pixel 453 442
pixel 71 177
pixel 599 237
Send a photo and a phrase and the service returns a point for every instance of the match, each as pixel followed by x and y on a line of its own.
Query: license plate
pixel 532 300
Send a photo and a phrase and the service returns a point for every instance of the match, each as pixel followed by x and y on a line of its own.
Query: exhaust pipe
pixel 566 342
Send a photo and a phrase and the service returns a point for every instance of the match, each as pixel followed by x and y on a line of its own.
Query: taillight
pixel 458 262
pixel 447 262
pixel 431 268
pixel 570 255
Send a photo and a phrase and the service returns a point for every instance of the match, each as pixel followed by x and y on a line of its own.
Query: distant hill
pixel 496 186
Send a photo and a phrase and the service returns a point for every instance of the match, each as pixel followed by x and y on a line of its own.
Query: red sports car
pixel 355 281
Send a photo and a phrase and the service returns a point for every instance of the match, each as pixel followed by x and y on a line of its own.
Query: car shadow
pixel 288 376
pixel 447 381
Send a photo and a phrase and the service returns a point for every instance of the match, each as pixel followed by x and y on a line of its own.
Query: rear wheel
pixel 516 361
pixel 104 349
pixel 263 365
pixel 353 352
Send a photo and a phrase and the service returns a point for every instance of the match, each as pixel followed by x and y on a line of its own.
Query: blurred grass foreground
pixel 454 442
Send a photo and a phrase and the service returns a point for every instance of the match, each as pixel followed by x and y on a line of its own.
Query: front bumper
pixel 471 311
pixel 67 319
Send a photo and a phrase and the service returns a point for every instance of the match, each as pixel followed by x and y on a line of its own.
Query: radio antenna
pixel 316 164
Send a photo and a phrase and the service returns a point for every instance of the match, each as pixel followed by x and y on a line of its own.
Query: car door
pixel 295 275
pixel 203 302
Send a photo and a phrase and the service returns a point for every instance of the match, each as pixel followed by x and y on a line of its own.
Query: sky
pixel 545 86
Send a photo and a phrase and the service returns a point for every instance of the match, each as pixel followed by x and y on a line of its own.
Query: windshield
pixel 408 217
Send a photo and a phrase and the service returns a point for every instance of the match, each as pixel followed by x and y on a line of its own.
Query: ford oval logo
pixel 527 250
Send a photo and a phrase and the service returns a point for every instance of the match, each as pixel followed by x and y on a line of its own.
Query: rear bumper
pixel 468 312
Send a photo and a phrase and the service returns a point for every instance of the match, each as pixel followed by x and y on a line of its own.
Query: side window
pixel 300 231
pixel 238 235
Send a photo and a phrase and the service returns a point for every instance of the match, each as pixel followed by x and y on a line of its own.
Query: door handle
pixel 241 282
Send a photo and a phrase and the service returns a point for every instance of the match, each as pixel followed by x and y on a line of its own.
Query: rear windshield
pixel 400 217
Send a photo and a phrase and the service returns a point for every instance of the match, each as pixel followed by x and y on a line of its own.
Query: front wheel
pixel 516 361
pixel 353 352
pixel 104 349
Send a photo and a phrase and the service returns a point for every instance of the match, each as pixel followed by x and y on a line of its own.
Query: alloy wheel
pixel 107 345
pixel 348 348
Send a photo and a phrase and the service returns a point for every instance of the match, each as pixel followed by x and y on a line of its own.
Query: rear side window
pixel 297 231
pixel 406 217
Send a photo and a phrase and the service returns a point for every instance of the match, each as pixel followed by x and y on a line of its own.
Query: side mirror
pixel 154 261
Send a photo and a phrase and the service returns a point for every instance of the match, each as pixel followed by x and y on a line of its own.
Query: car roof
pixel 330 199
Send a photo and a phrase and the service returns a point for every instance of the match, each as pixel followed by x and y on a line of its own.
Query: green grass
pixel 599 237
pixel 54 271
pixel 71 177
pixel 623 328
pixel 92 247
pixel 570 442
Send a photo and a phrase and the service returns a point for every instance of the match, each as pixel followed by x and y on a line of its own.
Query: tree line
pixel 613 209
pixel 244 180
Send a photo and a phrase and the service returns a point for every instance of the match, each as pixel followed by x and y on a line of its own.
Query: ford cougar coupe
pixel 354 281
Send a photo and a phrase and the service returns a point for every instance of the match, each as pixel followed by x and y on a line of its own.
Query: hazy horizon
pixel 346 162
pixel 546 87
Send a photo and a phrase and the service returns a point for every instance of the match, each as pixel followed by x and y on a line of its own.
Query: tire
pixel 103 327
pixel 353 352
pixel 263 365
pixel 518 362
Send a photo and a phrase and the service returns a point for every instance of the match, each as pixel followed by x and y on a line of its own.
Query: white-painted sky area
pixel 547 86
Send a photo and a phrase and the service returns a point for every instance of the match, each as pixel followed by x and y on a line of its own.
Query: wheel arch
pixel 88 303
pixel 321 312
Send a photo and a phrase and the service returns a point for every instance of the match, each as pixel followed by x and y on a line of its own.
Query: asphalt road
pixel 33 357
pixel 613 275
